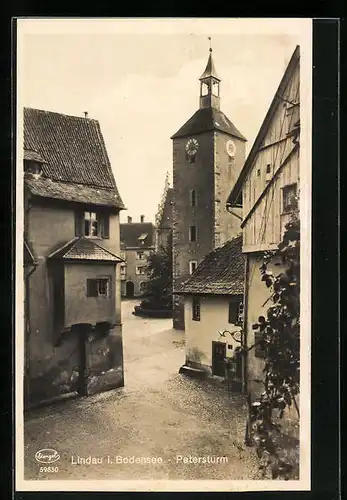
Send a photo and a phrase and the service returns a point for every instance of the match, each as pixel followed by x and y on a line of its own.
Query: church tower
pixel 208 155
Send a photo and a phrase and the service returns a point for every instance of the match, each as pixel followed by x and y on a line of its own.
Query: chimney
pixel 129 219
pixel 142 218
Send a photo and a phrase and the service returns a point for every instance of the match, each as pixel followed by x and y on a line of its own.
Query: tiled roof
pixel 72 148
pixel 220 273
pixel 84 249
pixel 166 220
pixel 33 156
pixel 79 193
pixel 130 233
pixel 207 119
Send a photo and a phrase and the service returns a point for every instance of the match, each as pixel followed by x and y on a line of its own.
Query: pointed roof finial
pixel 210 70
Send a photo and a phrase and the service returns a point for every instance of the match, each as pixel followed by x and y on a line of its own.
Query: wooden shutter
pixel 105 226
pixel 79 223
pixel 233 311
pixel 92 288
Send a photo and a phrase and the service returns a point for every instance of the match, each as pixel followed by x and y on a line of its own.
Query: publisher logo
pixel 47 456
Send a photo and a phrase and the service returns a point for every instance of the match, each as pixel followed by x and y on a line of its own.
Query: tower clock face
pixel 192 146
pixel 231 148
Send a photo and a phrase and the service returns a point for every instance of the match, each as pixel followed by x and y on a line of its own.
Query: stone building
pixel 73 334
pixel 137 242
pixel 208 155
pixel 213 312
pixel 267 190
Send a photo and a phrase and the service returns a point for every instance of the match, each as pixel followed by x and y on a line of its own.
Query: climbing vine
pixel 278 337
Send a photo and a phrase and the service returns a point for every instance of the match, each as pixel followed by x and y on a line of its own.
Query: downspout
pixel 28 330
pixel 27 312
pixel 244 329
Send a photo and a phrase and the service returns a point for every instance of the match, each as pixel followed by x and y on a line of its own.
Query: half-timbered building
pixel 267 190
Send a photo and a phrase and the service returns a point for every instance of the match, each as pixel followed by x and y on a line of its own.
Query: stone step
pixel 192 372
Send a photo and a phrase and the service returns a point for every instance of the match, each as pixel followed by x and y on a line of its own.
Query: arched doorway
pixel 129 289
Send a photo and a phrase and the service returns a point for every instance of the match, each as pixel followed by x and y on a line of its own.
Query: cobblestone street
pixel 159 413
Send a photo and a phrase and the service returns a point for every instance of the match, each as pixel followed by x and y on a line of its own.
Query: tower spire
pixel 209 84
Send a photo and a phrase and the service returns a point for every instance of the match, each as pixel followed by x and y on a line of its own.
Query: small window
pixel 140 255
pixel 205 88
pixel 91 224
pixel 196 308
pixel 192 266
pixel 290 200
pixel 123 270
pixel 98 287
pixel 193 198
pixel 192 233
pixel 268 168
pixel 258 172
pixel 32 167
pixel 215 88
pixel 140 270
pixel 235 312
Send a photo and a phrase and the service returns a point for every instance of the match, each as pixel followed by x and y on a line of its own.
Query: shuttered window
pixel 92 224
pixel 192 233
pixel 196 308
pixel 98 287
pixel 235 313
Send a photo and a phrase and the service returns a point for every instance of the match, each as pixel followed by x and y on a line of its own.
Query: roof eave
pixel 216 294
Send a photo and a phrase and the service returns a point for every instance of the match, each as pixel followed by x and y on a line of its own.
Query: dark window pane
pixel 193 198
pixel 192 233
pixel 290 201
pixel 94 228
pixel 103 287
pixel 196 308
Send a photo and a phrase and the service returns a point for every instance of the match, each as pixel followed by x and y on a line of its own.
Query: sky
pixel 142 86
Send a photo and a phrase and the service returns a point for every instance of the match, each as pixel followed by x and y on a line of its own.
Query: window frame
pixel 235 311
pixel 193 198
pixel 195 233
pixel 91 220
pixel 196 308
pixel 140 273
pixel 140 252
pixel 286 209
pixel 97 283
pixel 191 263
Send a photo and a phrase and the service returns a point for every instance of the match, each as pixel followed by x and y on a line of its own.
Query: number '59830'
pixel 49 469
